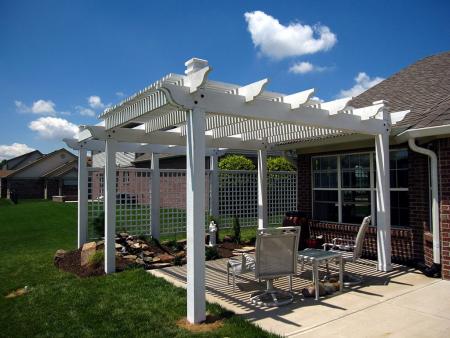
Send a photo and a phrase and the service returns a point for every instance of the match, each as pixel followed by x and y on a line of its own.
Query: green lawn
pixel 131 303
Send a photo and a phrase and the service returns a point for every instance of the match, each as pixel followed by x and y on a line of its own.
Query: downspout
pixel 435 197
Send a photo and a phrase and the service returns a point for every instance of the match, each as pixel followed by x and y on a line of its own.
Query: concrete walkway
pixel 401 303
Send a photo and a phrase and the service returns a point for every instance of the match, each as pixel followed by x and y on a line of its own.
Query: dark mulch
pixel 225 249
pixel 71 262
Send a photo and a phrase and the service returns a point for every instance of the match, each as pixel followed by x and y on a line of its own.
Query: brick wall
pixel 401 239
pixel 412 244
pixel 304 198
pixel 419 215
pixel 27 188
pixel 444 187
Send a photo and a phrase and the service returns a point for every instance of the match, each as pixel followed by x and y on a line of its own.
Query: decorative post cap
pixel 194 64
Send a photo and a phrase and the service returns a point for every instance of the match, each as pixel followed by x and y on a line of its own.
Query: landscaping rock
pixel 156 259
pixel 59 255
pixel 86 252
pixel 159 265
pixel 148 259
pixel 130 257
pixel 166 258
pixel 148 253
pixel 119 246
pixel 140 261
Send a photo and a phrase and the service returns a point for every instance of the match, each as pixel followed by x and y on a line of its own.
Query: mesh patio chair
pixel 351 251
pixel 275 257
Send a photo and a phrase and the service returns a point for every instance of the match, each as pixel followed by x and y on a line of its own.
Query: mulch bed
pixel 72 263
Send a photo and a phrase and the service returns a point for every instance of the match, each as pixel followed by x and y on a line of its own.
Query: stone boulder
pixel 87 251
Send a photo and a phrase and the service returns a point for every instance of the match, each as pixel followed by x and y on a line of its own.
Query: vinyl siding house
pixel 337 175
pixel 35 175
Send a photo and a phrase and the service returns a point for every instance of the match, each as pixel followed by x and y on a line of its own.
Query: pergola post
pixel 383 202
pixel 155 181
pixel 110 206
pixel 82 198
pixel 214 184
pixel 195 215
pixel 262 189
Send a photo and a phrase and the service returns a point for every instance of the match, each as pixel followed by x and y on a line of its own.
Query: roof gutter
pixel 410 136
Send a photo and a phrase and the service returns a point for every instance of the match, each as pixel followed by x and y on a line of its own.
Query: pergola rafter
pixel 194 112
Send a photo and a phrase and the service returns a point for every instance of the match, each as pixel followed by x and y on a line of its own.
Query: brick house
pixel 37 175
pixel 337 178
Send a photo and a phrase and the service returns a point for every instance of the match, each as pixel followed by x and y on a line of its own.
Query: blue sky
pixel 62 62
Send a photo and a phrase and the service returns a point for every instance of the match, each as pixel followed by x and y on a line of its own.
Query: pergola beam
pixel 262 109
pixel 162 138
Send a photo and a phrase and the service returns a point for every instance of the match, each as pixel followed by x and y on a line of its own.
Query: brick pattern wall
pixel 444 187
pixel 402 247
pixel 419 214
pixel 304 199
pixel 27 188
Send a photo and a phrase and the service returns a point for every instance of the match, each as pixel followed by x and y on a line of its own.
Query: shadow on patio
pixel 304 313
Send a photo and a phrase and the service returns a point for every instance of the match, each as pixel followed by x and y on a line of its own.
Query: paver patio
pixel 402 302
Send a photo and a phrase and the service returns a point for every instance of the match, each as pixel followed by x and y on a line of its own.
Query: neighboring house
pixel 342 190
pixel 35 175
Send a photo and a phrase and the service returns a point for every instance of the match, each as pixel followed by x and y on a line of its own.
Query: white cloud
pixel 13 150
pixel 38 107
pixel 279 41
pixel 120 94
pixel 85 111
pixel 362 83
pixel 305 67
pixel 53 128
pixel 95 102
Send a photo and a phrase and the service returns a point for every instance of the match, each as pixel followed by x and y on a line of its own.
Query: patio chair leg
pixel 234 282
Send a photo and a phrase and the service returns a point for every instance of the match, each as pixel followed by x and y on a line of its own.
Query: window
pixel 126 177
pixel 325 175
pixel 344 187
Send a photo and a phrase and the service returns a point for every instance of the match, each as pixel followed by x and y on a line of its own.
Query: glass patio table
pixel 316 257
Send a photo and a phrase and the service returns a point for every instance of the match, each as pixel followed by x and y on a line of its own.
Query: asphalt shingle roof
pixel 423 88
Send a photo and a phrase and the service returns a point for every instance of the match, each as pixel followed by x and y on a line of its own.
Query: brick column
pixel 419 207
pixel 304 198
pixel 444 187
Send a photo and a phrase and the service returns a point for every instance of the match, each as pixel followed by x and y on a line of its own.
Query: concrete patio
pixel 400 303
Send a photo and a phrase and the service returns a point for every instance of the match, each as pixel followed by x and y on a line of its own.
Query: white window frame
pixel 339 187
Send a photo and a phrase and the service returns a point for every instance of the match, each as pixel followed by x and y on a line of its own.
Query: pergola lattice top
pixel 248 114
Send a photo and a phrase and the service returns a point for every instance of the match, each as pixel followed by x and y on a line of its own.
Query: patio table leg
pixel 316 278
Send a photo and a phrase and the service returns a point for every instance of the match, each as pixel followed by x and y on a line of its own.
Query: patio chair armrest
pixel 329 245
pixel 344 244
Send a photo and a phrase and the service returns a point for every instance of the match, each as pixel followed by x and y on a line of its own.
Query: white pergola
pixel 191 114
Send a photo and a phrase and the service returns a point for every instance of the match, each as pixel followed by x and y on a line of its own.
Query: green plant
pixel 211 253
pixel 96 259
pixel 279 164
pixel 236 230
pixel 236 162
pixel 99 224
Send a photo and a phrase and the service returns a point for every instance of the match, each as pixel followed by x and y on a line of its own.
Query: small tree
pixel 279 164
pixel 236 162
pixel 236 229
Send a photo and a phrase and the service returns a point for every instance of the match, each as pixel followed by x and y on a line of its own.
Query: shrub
pixel 99 224
pixel 279 164
pixel 96 259
pixel 236 162
pixel 211 253
pixel 236 229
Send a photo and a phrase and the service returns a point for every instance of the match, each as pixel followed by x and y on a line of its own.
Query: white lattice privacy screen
pixel 133 201
pixel 237 197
